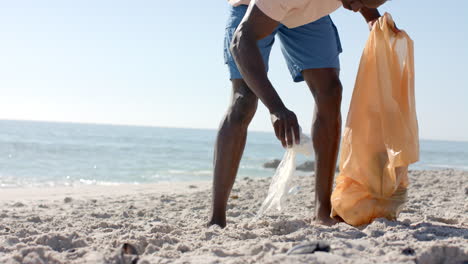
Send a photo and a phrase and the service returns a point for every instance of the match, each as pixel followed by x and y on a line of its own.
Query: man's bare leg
pixel 229 147
pixel 326 88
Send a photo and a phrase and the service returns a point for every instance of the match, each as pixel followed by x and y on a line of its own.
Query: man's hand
pixel 371 15
pixel 286 126
pixel 371 23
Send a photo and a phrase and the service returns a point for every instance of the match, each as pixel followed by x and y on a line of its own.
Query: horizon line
pixel 162 126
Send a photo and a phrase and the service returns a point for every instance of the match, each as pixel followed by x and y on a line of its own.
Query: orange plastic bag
pixel 381 135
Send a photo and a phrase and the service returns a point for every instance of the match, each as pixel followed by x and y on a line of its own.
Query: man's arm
pixel 370 15
pixel 255 26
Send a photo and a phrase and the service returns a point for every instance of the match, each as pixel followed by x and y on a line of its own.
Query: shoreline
pixel 166 223
pixel 47 191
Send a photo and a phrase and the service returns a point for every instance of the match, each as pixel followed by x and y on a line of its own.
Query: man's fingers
pixel 282 134
pixel 295 129
pixel 296 133
pixel 289 134
pixel 286 128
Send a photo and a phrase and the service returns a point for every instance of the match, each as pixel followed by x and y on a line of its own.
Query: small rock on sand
pixel 18 204
pixel 34 219
pixel 183 248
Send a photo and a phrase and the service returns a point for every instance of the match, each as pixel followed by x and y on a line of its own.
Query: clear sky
pixel 160 63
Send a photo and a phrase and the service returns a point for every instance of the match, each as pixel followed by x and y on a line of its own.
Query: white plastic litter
pixel 281 183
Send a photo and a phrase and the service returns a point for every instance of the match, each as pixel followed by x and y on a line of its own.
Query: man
pixel 311 47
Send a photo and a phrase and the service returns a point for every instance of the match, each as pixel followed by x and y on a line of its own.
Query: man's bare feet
pixel 325 219
pixel 221 224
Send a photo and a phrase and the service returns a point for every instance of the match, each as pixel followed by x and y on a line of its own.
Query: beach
pixel 166 223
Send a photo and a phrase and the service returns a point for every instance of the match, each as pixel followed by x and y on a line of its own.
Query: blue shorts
pixel 311 46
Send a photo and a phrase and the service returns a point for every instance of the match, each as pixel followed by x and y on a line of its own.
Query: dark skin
pixel 326 89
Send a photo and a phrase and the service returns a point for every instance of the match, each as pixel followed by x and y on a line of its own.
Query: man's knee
pixel 328 98
pixel 325 86
pixel 332 90
pixel 243 105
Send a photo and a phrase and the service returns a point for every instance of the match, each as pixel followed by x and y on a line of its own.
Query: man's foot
pixel 221 224
pixel 323 218
pixel 327 221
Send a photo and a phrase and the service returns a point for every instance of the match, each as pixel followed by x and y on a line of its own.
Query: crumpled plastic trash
pixel 381 138
pixel 281 183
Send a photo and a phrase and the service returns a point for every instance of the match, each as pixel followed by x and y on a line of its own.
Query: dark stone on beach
pixel 34 219
pixel 309 248
pixel 408 251
pixel 67 200
pixel 306 166
pixel 310 166
pixel 128 254
pixel 272 164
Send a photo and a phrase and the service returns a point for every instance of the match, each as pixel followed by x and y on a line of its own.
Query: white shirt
pixel 293 13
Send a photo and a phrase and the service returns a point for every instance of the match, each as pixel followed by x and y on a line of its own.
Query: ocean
pixel 68 154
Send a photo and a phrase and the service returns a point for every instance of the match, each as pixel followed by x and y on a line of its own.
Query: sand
pixel 166 224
